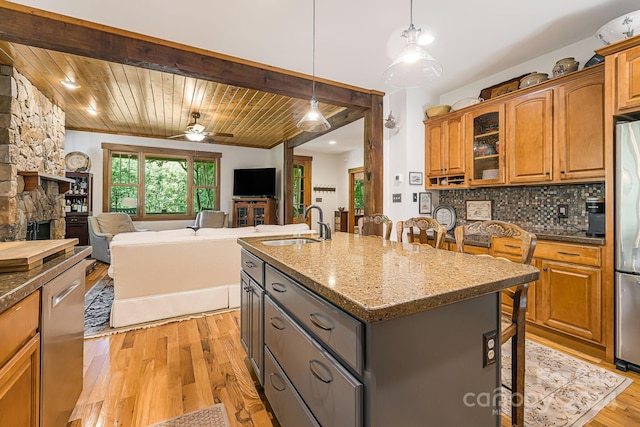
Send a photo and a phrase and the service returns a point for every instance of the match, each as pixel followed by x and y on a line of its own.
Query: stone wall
pixel 31 139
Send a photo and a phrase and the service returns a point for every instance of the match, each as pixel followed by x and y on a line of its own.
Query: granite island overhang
pixel 376 280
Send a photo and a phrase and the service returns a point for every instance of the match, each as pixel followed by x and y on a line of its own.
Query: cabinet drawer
pixel 18 324
pixel 329 390
pixel 506 246
pixel 339 331
pixel 283 398
pixel 253 265
pixel 587 255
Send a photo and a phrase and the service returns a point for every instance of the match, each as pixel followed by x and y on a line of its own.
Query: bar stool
pixel 423 224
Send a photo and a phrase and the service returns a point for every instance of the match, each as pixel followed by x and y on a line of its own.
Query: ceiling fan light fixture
pixel 195 136
pixel 414 66
pixel 313 120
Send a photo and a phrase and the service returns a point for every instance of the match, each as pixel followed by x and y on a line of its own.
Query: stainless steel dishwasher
pixel 62 340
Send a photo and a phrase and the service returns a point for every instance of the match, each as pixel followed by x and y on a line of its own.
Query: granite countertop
pixel 377 280
pixel 16 286
pixel 557 234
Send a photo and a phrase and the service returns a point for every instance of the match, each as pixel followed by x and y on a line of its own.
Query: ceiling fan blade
pixel 177 136
pixel 221 134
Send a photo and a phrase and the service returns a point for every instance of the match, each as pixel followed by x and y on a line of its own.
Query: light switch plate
pixel 397 198
pixel 415 197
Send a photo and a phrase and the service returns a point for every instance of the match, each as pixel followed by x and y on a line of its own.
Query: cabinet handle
pixel 279 287
pixel 545 269
pixel 249 264
pixel 271 377
pixel 314 317
pixel 512 246
pixel 547 173
pixel 313 367
pixel 247 288
pixel 561 171
pixel 568 253
pixel 275 323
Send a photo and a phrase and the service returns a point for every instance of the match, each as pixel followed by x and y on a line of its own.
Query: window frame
pixel 143 152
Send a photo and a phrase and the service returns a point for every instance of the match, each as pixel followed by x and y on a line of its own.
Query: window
pixel 157 183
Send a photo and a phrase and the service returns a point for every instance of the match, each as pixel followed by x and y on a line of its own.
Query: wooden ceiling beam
pixel 336 121
pixel 34 27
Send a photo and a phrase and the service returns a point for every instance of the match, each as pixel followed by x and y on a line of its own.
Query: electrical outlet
pixel 563 211
pixel 397 198
pixel 415 197
pixel 318 199
pixel 489 348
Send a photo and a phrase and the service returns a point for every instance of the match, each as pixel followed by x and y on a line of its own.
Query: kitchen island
pixel 361 331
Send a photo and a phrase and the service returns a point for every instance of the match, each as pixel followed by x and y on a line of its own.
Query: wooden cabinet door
pixel 454 145
pixel 571 299
pixel 628 84
pixel 20 387
pixel 434 157
pixel 529 124
pixel 579 128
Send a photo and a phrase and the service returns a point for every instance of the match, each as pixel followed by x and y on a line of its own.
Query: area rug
pixel 560 390
pixel 213 416
pixel 97 307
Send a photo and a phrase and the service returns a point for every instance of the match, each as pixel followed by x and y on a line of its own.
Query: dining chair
pixel 423 224
pixel 515 325
pixel 368 225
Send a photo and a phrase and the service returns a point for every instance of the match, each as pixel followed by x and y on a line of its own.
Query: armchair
pixel 103 227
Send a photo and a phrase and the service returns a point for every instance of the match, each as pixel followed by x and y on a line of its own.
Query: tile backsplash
pixel 536 206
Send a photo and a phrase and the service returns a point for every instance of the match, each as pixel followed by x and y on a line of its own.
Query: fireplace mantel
pixel 32 179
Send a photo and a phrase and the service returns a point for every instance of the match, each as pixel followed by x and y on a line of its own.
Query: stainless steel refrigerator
pixel 627 241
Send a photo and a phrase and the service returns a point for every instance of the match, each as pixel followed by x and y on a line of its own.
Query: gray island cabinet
pixel 357 331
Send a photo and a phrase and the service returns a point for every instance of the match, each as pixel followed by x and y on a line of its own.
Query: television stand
pixel 251 211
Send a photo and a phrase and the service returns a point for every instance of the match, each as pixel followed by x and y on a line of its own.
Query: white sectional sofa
pixel 163 274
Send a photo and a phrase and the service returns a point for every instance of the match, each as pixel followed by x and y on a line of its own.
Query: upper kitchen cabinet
pixel 579 131
pixel 485 146
pixel 529 130
pixel 444 151
pixel 623 74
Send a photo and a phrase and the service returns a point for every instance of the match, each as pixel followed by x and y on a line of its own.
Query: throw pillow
pixel 114 223
pixel 211 219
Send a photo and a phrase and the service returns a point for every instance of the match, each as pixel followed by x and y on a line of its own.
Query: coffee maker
pixel 595 209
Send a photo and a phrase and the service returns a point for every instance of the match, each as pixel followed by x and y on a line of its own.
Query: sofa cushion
pixel 212 219
pixel 228 232
pixel 147 235
pixel 287 228
pixel 114 223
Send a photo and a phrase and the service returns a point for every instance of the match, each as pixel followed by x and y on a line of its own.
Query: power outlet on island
pixel 397 198
pixel 489 348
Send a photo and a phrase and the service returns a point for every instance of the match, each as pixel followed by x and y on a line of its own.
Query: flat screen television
pixel 259 182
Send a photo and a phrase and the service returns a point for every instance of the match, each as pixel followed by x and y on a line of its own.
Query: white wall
pixel 232 158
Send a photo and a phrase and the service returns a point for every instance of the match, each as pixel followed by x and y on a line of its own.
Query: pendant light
pixel 313 120
pixel 414 66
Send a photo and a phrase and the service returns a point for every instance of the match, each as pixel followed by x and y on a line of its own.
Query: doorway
pixel 356 197
pixel 301 188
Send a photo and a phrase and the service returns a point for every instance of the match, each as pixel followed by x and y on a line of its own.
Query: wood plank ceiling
pixel 142 102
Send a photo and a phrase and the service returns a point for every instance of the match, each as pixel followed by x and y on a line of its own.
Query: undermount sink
pixel 290 242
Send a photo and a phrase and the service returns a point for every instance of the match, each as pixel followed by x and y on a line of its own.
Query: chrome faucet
pixel 325 230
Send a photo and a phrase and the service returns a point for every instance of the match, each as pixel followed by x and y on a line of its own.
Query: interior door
pixel 356 197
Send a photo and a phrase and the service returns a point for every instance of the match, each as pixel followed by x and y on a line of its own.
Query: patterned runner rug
pixel 213 416
pixel 560 390
pixel 97 307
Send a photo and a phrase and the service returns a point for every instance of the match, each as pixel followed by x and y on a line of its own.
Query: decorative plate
pixel 77 161
pixel 446 216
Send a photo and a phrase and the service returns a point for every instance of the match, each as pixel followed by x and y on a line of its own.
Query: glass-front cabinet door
pixel 258 215
pixel 486 150
pixel 242 215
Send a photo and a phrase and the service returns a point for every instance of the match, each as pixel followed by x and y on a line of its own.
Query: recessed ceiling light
pixel 332 142
pixel 69 84
pixel 92 111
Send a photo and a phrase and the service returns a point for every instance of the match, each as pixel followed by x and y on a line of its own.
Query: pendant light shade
pixel 414 66
pixel 313 120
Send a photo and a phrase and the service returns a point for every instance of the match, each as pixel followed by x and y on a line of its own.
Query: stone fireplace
pixel 31 140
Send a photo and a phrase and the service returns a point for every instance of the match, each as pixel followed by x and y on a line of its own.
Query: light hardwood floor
pixel 144 376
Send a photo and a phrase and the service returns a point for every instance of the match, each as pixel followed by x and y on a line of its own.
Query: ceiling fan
pixel 195 132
